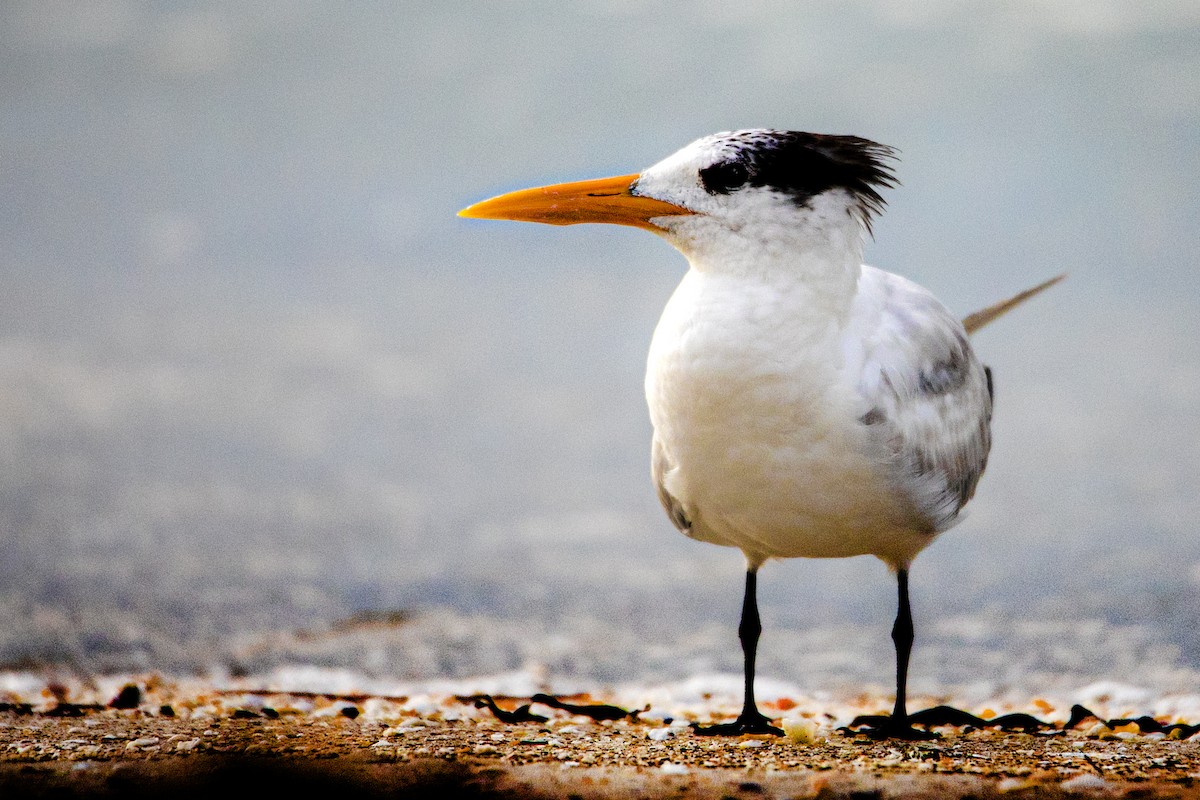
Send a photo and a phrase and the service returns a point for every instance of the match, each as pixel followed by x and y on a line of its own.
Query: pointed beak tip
pixel 494 208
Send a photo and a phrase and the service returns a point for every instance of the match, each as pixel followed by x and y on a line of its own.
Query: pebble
pixel 422 704
pixel 802 731
pixel 1014 785
pixel 1088 781
pixel 143 743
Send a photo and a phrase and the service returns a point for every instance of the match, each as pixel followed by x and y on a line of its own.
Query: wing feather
pixel 928 398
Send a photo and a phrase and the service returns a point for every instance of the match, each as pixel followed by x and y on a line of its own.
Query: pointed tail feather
pixel 973 322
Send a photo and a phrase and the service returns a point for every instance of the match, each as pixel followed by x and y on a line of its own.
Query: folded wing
pixel 928 399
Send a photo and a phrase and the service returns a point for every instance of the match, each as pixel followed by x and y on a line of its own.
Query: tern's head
pixel 764 185
pixel 726 180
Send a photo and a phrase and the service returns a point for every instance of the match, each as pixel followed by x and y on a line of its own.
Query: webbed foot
pixel 744 724
pixel 886 727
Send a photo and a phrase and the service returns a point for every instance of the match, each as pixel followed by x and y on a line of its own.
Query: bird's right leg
pixel 750 720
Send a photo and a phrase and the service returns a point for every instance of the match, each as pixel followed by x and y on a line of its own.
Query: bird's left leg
pixel 750 720
pixel 902 635
pixel 898 725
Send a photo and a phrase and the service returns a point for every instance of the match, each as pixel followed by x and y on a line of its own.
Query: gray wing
pixel 929 400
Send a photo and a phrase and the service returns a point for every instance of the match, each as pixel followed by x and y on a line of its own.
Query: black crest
pixel 803 165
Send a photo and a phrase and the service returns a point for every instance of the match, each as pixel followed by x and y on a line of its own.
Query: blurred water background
pixel 266 400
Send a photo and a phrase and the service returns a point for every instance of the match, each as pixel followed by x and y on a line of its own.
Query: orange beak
pixel 608 200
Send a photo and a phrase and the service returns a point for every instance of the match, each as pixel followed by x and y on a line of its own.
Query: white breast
pixel 757 418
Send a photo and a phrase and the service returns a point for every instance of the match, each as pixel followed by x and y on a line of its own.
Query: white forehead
pixel 677 177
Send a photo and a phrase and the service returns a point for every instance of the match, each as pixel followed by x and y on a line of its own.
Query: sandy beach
pixel 157 737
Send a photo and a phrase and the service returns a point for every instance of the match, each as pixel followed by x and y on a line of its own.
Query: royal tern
pixel 803 404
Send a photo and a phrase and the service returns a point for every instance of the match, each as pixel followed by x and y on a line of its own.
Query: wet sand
pixel 176 740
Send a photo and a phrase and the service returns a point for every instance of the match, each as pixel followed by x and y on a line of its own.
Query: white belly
pixel 759 426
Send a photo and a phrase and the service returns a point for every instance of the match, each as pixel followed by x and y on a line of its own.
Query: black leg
pixel 898 725
pixel 902 635
pixel 750 720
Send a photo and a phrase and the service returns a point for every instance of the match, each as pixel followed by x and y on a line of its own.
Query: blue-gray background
pixel 257 378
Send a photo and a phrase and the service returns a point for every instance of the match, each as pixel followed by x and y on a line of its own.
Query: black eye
pixel 724 177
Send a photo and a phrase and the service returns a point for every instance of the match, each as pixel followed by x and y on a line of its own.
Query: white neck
pixel 818 248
